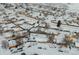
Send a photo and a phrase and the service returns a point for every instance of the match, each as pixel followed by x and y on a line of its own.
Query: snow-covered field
pixel 31 29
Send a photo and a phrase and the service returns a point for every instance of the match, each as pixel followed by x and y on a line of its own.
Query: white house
pixel 38 37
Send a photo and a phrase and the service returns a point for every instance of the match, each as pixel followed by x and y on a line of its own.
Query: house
pixel 38 37
pixel 12 44
pixel 77 44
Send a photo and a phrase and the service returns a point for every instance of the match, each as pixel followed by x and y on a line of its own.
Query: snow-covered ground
pixel 31 29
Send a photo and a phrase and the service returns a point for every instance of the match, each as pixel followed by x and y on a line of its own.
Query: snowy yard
pixel 33 29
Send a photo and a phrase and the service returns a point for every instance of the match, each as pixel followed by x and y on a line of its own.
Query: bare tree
pixel 70 40
pixel 5 44
pixel 51 38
